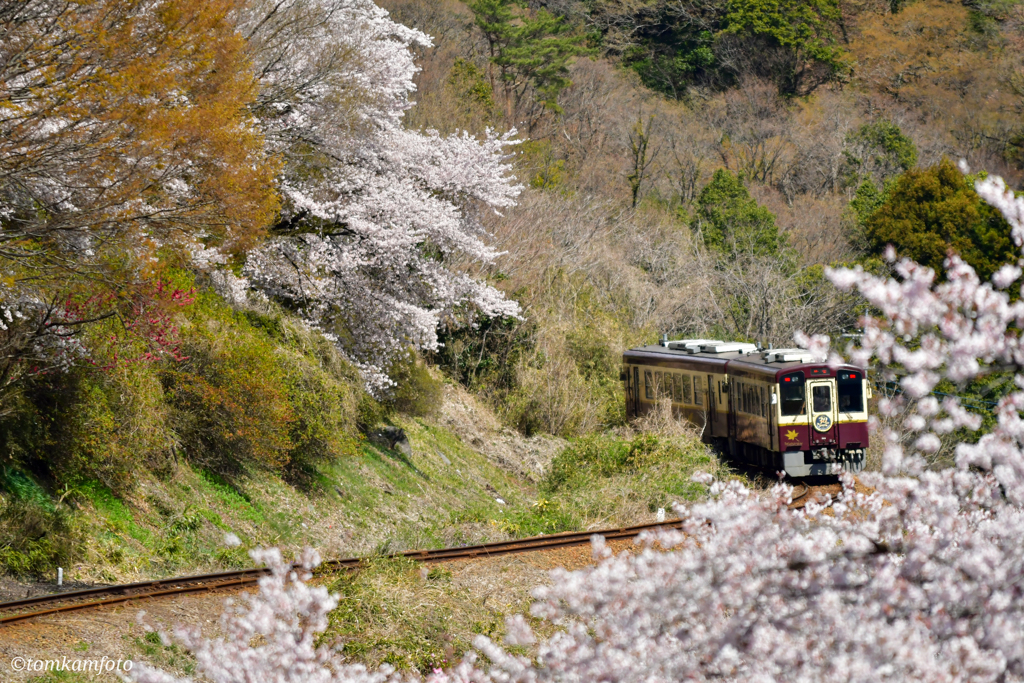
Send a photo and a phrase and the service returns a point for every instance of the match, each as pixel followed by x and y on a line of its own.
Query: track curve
pixel 41 605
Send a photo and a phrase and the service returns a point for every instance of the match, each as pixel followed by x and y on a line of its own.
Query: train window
pixel 687 389
pixel 822 396
pixel 698 395
pixel 677 388
pixel 764 408
pixel 649 385
pixel 792 394
pixel 659 385
pixel 851 392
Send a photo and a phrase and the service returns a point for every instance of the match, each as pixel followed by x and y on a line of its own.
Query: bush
pixel 90 424
pixel 613 480
pixel 258 390
pixel 605 457
pixel 36 536
pixel 416 392
pixel 485 355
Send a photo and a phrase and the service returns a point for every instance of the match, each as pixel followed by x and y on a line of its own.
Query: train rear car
pixel 772 409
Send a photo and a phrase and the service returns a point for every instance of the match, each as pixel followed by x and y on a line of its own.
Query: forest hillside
pixel 244 241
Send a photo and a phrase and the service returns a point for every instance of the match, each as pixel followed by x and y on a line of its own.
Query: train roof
pixel 728 358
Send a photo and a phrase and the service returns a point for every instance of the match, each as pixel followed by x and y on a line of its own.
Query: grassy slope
pixel 375 500
pixel 379 501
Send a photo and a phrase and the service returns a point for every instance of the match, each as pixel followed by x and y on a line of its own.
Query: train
pixel 775 410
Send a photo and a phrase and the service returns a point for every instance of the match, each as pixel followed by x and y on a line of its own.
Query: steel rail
pixel 795 500
pixel 110 595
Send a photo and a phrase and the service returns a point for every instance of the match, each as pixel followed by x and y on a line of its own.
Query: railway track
pixel 41 605
pixel 813 492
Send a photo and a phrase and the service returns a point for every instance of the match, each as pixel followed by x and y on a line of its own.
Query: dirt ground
pixel 117 631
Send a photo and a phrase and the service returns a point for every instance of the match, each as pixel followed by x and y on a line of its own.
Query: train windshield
pixel 851 392
pixel 822 398
pixel 793 394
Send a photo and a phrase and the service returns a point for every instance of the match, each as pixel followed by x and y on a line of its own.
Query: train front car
pixel 822 419
pixel 770 409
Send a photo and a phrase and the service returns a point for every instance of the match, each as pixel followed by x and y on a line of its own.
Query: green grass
pixel 60 677
pixel 609 480
pixel 398 612
pixel 167 657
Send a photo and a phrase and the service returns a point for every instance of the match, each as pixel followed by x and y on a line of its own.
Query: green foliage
pixel 866 201
pixel 90 425
pixel 416 392
pixel 484 355
pixel 877 151
pixel 254 390
pixel 530 49
pixel 1015 150
pixel 597 474
pixel 601 457
pixel 469 92
pixel 792 42
pixel 539 163
pixel 668 63
pixel 231 399
pixel 171 657
pixel 376 626
pixel 804 27
pixel 370 412
pixel 732 223
pixel 929 212
pixel 470 85
pixel 36 535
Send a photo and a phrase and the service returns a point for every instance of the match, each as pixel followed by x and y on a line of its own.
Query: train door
pixel 635 395
pixel 716 411
pixel 822 396
pixel 730 400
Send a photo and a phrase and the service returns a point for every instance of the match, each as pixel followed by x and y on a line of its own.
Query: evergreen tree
pixel 930 212
pixel 529 54
pixel 732 223
pixel 878 151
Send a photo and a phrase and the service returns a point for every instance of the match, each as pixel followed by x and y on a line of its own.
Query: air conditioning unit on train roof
pixel 691 345
pixel 787 355
pixel 727 347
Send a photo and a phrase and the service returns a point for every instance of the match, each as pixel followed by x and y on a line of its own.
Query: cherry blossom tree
pixel 374 213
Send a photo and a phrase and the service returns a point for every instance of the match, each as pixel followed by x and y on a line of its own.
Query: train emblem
pixel 822 423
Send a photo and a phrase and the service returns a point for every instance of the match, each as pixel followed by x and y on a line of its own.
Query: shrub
pixel 36 536
pixel 416 391
pixel 257 389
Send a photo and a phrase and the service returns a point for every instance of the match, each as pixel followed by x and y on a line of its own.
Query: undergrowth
pixel 398 612
pixel 609 479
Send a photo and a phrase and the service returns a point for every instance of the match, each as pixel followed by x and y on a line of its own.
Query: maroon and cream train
pixel 772 409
